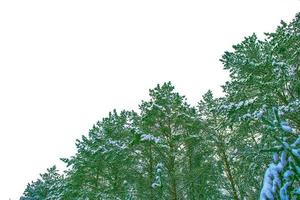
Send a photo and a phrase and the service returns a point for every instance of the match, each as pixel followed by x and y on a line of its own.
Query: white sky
pixel 66 64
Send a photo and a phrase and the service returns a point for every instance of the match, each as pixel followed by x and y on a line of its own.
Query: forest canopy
pixel 244 145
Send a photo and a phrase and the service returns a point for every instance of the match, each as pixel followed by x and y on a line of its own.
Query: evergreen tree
pixel 50 186
pixel 165 122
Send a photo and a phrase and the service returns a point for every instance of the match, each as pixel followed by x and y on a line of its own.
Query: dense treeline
pixel 218 149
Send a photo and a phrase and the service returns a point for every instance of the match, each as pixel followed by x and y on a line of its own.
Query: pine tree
pixel 50 186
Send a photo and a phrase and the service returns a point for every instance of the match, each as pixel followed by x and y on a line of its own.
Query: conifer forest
pixel 244 145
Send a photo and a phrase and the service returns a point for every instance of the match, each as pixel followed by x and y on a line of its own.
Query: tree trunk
pixel 173 175
pixel 172 168
pixel 192 187
pixel 151 176
pixel 229 174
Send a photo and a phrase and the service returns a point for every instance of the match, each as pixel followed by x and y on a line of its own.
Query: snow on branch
pixel 148 137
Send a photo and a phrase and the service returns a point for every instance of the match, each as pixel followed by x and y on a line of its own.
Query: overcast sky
pixel 66 64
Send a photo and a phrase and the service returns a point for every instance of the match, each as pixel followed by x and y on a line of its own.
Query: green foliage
pixel 281 180
pixel 217 150
pixel 50 186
